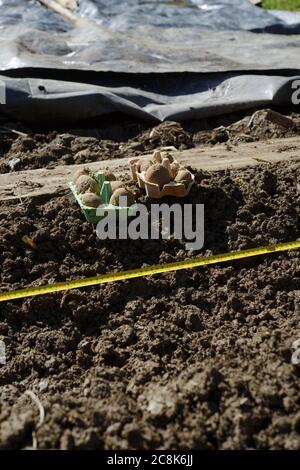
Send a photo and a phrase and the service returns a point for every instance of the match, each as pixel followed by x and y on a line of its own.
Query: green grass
pixel 282 4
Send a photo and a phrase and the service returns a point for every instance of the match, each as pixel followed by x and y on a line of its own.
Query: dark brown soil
pixel 128 138
pixel 193 359
pixel 37 150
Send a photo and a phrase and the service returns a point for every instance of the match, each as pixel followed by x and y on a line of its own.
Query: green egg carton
pixel 90 213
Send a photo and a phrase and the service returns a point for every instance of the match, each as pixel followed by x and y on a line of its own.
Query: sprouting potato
pixel 124 194
pixel 86 184
pixel 81 172
pixel 157 174
pixel 91 200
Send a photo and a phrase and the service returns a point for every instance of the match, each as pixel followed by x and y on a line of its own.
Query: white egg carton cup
pixel 153 190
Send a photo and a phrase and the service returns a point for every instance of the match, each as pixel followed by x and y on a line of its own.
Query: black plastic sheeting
pixel 152 59
pixel 156 97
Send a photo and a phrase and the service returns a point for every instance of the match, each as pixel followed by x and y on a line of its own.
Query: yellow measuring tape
pixel 147 271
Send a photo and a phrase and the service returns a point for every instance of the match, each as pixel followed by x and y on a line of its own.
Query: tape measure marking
pixel 147 271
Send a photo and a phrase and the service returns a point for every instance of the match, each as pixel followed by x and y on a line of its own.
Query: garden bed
pixel 193 359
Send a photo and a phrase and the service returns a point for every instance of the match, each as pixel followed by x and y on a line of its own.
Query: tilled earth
pixel 23 148
pixel 194 359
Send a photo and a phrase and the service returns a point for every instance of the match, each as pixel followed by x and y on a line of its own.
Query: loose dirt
pixel 194 359
pixel 117 138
